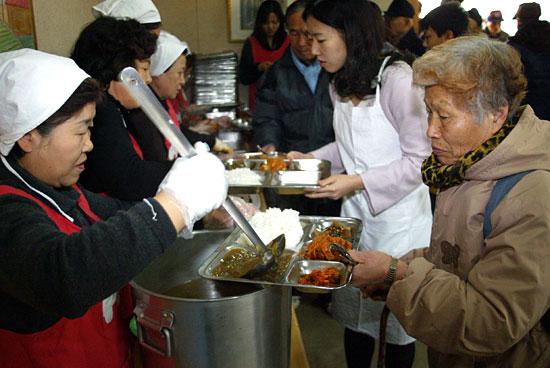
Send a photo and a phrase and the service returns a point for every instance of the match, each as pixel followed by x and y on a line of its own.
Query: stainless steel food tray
pixel 297 265
pixel 300 174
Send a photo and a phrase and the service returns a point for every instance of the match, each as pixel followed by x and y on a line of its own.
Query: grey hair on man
pixel 295 7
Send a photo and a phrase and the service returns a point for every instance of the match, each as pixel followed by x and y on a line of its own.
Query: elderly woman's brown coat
pixel 476 302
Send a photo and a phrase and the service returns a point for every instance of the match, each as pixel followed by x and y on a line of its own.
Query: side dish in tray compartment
pixel 328 276
pixel 319 247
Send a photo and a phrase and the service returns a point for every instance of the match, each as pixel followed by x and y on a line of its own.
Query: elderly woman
pixel 480 294
pixel 168 65
pixel 65 253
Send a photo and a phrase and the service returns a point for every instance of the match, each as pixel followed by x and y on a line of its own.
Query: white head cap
pixel 34 85
pixel 144 11
pixel 169 48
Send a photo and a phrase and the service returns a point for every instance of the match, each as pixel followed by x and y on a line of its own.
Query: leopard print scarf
pixel 439 176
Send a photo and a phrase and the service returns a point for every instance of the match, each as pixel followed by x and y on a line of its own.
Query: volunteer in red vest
pixel 168 65
pixel 266 45
pixel 144 11
pixel 66 254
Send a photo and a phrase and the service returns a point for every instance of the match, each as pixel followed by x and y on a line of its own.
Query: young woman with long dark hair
pixel 265 46
pixel 380 130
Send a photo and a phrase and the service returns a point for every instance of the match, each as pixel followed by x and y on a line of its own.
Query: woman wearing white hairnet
pixel 168 65
pixel 144 11
pixel 66 254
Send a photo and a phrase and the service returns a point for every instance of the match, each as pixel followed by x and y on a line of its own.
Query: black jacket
pixel 288 114
pixel 46 274
pixel 412 43
pixel 151 140
pixel 533 43
pixel 113 167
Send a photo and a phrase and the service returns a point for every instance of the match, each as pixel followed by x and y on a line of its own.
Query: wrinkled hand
pixel 296 155
pixel 372 269
pixel 336 187
pixel 220 218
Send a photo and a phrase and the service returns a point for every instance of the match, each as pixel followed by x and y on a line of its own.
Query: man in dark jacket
pixel 532 42
pixel 399 24
pixel 293 106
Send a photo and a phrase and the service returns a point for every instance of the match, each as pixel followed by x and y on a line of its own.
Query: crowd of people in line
pixel 438 143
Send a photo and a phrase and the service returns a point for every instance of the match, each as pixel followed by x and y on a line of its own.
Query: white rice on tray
pixel 243 176
pixel 274 222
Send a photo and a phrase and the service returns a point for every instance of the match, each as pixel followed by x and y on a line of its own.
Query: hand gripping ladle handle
pixel 160 118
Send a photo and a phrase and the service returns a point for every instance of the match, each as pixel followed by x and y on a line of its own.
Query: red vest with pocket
pixel 84 342
pixel 260 55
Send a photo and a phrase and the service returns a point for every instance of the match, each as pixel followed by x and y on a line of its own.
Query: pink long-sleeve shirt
pixel 403 105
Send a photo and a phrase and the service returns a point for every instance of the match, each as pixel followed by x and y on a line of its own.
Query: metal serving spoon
pixel 153 109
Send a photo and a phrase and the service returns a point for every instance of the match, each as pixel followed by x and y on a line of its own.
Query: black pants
pixel 360 348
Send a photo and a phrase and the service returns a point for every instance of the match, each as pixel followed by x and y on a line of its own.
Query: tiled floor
pixel 323 336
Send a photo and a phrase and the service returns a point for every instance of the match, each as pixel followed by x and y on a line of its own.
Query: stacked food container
pixel 215 79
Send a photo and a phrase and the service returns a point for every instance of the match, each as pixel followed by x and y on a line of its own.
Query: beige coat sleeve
pixel 506 293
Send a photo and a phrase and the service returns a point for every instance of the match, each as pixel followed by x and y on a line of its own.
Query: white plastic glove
pixel 197 184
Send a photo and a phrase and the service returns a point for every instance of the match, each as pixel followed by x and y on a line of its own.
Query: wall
pixel 202 23
pixel 58 23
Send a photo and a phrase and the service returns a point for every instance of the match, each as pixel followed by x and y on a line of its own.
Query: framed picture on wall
pixel 241 15
pixel 17 15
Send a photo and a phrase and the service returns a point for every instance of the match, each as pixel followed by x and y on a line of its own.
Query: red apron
pixel 136 146
pixel 172 111
pixel 84 342
pixel 259 55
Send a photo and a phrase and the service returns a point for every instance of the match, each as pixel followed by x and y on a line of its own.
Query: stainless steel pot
pixel 186 321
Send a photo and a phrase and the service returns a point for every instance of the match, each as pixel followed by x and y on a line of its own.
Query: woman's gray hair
pixel 483 75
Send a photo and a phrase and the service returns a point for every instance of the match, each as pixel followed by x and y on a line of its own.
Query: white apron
pixel 365 139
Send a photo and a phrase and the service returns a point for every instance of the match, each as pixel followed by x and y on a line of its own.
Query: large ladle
pixel 153 109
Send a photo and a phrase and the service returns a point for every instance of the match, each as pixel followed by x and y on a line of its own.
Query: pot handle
pixel 155 333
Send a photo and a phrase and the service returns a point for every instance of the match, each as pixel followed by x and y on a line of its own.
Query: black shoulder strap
pixel 501 188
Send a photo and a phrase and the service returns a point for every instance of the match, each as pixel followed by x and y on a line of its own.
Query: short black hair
pixel 88 91
pixel 474 14
pixel 295 7
pixel 108 45
pixel 447 17
pixel 363 28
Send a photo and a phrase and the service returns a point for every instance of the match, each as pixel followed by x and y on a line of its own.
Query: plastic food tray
pixel 297 266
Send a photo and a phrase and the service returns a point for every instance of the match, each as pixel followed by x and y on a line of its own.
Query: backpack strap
pixel 501 188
